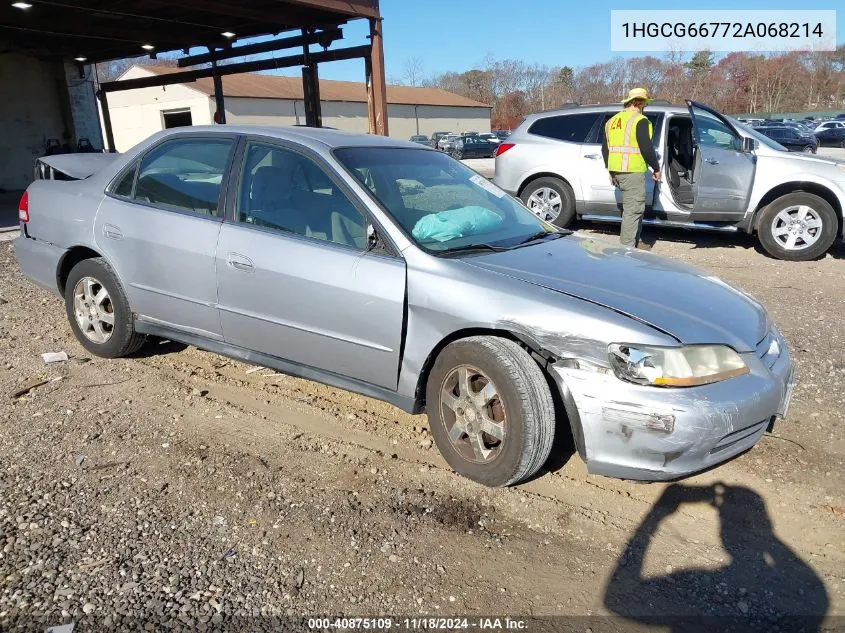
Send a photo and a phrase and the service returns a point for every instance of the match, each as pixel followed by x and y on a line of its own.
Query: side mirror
pixel 749 144
pixel 372 237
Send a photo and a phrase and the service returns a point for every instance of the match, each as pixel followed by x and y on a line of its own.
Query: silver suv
pixel 717 174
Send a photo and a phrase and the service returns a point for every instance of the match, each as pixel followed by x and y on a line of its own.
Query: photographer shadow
pixel 765 586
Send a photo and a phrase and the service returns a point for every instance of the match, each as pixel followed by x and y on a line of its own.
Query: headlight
pixel 675 366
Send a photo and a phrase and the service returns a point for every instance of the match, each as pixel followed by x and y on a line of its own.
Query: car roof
pixel 602 107
pixel 315 138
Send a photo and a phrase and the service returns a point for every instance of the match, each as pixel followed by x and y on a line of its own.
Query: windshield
pixel 761 138
pixel 440 203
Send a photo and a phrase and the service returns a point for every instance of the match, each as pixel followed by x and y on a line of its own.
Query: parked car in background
pixel 716 174
pixel 417 282
pixel 502 134
pixel 447 143
pixel 490 138
pixel 793 139
pixel 829 125
pixel 800 126
pixel 472 147
pixel 435 138
pixel 832 137
pixel 422 140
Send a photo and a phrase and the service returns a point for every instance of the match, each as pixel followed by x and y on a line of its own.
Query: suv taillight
pixel 503 147
pixel 23 208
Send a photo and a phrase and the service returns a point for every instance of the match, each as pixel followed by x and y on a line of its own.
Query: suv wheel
pixel 809 149
pixel 797 227
pixel 490 410
pixel 550 199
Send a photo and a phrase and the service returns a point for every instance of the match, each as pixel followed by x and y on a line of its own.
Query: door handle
pixel 592 156
pixel 240 262
pixel 112 232
pixel 711 161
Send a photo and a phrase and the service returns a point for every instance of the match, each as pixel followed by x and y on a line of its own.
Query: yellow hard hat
pixel 637 93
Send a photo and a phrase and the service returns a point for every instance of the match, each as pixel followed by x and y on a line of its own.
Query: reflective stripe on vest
pixel 623 151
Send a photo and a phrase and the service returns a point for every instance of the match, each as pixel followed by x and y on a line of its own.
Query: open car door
pixel 724 170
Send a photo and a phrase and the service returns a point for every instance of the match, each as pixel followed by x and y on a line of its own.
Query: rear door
pixel 723 173
pixel 158 226
pixel 600 196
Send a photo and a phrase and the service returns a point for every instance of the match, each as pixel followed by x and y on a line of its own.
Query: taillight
pixel 23 208
pixel 503 147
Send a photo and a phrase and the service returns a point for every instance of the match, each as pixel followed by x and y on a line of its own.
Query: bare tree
pixel 412 72
pixel 109 71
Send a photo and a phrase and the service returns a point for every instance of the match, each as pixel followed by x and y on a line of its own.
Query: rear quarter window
pixel 572 128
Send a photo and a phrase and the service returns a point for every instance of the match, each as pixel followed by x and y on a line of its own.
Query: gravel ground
pixel 178 490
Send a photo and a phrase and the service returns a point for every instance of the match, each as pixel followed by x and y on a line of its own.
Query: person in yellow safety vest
pixel 628 153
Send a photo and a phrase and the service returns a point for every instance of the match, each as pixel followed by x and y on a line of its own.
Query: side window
pixel 572 128
pixel 281 189
pixel 126 184
pixel 184 174
pixel 712 132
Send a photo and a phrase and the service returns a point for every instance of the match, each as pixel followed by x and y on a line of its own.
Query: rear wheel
pixel 490 410
pixel 98 311
pixel 550 199
pixel 797 227
pixel 809 149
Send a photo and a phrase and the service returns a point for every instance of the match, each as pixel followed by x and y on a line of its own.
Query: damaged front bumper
pixel 650 433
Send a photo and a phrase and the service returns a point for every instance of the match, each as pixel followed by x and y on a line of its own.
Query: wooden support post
pixel 376 86
pixel 219 101
pixel 311 95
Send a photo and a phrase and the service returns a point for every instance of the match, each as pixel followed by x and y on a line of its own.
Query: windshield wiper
pixel 541 234
pixel 475 247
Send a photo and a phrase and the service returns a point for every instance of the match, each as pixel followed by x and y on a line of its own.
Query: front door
pixel 294 278
pixel 158 227
pixel 723 173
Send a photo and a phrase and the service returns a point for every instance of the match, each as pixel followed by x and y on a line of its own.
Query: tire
pixel 560 215
pixel 522 405
pixel 789 208
pixel 809 149
pixel 86 280
pixel 457 155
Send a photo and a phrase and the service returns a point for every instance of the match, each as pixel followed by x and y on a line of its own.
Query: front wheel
pixel 797 227
pixel 809 149
pixel 550 199
pixel 458 155
pixel 490 410
pixel 98 310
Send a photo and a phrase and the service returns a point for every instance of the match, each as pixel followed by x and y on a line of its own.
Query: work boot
pixel 643 246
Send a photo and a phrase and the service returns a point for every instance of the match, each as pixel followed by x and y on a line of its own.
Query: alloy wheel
pixel 93 309
pixel 545 203
pixel 474 414
pixel 797 227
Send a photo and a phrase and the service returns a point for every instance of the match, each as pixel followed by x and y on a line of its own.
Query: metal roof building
pixel 275 100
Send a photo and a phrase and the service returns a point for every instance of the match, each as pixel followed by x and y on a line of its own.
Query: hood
pixel 675 298
pixel 79 166
pixel 799 162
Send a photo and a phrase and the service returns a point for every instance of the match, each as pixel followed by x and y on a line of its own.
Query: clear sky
pixel 457 35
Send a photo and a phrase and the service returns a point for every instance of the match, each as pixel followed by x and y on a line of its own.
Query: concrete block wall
pixel 30 114
pixel 40 99
pixel 83 104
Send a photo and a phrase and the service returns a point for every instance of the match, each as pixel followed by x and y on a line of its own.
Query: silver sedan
pixel 391 270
